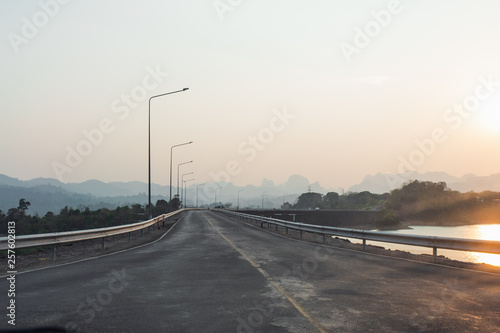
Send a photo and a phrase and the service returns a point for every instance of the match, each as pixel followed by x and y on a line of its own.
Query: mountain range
pixel 385 182
pixel 47 194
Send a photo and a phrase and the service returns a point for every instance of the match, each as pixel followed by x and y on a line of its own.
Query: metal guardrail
pixel 26 241
pixel 434 242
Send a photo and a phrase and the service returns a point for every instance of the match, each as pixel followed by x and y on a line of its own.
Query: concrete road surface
pixel 211 273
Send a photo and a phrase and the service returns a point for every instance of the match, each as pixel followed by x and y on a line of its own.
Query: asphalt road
pixel 211 273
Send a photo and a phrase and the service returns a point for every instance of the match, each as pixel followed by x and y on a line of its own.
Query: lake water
pixel 482 231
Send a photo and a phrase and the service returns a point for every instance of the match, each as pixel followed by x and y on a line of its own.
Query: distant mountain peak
pixel 267 183
pixel 386 182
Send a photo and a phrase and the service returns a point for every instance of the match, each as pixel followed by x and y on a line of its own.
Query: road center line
pixel 276 285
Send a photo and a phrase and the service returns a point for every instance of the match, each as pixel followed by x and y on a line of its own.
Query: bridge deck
pixel 213 274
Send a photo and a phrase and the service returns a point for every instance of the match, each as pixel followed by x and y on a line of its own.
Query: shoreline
pixel 408 224
pixel 344 243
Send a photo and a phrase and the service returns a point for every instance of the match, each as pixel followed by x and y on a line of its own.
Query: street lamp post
pixel 171 148
pixel 238 207
pixel 149 145
pixel 189 173
pixel 185 189
pixel 178 165
pixel 263 199
pixel 197 188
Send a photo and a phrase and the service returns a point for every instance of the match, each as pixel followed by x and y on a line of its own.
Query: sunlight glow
pixel 487 232
pixel 490 117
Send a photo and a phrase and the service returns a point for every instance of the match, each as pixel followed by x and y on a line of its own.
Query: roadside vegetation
pixel 332 200
pixel 423 201
pixel 436 203
pixel 70 219
pixel 426 202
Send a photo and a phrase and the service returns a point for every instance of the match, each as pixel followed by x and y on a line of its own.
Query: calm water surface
pixel 482 231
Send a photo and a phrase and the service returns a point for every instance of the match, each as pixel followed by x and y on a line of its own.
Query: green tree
pixel 23 204
pixel 331 200
pixel 161 207
pixel 309 200
pixel 363 200
pixel 175 203
pixel 387 219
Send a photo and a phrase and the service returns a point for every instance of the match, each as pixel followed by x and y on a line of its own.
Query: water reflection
pixel 483 231
pixel 487 232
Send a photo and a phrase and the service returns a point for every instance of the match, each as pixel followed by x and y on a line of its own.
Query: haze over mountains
pixel 381 183
pixel 47 194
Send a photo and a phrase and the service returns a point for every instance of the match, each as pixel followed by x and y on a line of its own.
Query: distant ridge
pixel 385 182
pixel 47 194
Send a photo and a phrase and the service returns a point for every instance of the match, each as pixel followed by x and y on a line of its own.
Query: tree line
pixel 70 219
pixel 415 200
pixel 332 200
pixel 428 201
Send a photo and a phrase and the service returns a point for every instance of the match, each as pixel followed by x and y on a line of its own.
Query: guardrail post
pixel 434 253
pixel 364 244
pixel 276 227
pixel 102 246
pixel 300 234
pixel 286 230
pixel 163 220
pixel 324 238
pixel 53 252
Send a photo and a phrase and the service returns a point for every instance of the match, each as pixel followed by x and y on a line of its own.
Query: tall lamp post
pixel 171 148
pixel 238 207
pixel 197 188
pixel 189 173
pixel 149 145
pixel 185 190
pixel 263 199
pixel 178 165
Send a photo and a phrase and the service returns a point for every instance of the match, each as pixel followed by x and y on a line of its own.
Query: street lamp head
pixel 185 89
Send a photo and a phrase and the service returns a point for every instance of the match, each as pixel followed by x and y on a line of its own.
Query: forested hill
pixel 424 201
pixel 434 203
pixel 49 198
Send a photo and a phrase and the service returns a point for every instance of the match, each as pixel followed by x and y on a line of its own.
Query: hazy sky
pixel 331 90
